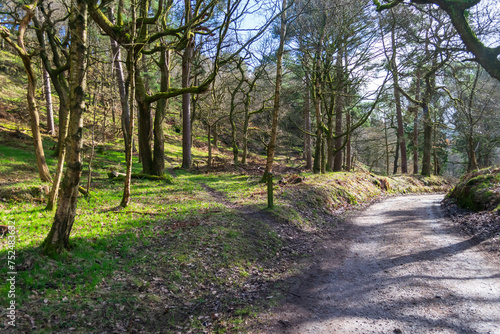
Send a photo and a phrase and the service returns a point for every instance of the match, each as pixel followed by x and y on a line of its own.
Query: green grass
pixel 177 234
pixel 181 235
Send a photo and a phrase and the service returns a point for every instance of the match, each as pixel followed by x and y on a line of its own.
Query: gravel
pixel 398 267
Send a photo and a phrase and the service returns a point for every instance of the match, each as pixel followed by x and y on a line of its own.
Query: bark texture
pixel 161 110
pixel 58 237
pixel 186 97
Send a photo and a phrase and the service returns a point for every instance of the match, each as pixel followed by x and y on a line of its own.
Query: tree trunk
pixel 323 155
pixel 58 237
pixel 63 91
pixel 120 81
pixel 60 82
pixel 129 143
pixel 186 97
pixel 330 147
pixel 43 169
pixel 317 107
pixel 472 154
pixel 144 125
pixel 48 102
pixel 317 151
pixel 415 142
pixel 271 148
pixel 216 136
pixel 426 160
pixel 386 148
pixel 245 135
pixel 396 157
pixel 415 126
pixel 161 110
pixel 232 109
pixel 209 138
pixel 348 157
pixel 307 127
pixel 399 114
pixel 339 108
pixel 194 104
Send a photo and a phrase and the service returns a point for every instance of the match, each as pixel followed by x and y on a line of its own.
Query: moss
pixel 478 191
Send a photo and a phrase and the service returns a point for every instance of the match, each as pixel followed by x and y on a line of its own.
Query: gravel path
pixel 400 269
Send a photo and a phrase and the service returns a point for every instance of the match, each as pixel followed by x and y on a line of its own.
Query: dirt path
pixel 401 269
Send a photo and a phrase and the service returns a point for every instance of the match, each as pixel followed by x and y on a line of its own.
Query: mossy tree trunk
pixel 161 110
pixel 307 126
pixel 58 238
pixel 186 97
pixel 144 124
pixel 339 109
pixel 426 159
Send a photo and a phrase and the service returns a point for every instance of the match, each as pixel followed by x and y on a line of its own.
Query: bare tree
pixel 271 147
pixel 21 50
pixel 456 10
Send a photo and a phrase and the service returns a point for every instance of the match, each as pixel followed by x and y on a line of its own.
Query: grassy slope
pixel 201 254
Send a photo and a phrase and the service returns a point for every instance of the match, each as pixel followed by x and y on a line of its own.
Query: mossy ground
pixel 478 191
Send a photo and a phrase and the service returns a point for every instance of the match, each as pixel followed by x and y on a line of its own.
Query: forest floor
pixel 398 267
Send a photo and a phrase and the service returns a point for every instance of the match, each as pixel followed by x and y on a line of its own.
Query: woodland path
pixel 400 267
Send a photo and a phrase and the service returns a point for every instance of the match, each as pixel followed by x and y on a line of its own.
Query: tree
pixel 233 93
pixel 473 96
pixel 48 101
pixel 186 97
pixel 58 238
pixel 271 147
pixel 456 10
pixel 55 62
pixel 21 50
pixel 438 45
pixel 334 46
pixel 397 99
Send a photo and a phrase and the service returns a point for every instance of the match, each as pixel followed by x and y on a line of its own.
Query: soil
pixel 398 267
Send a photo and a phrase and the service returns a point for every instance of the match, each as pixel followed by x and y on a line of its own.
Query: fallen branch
pixel 115 176
pixel 84 192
